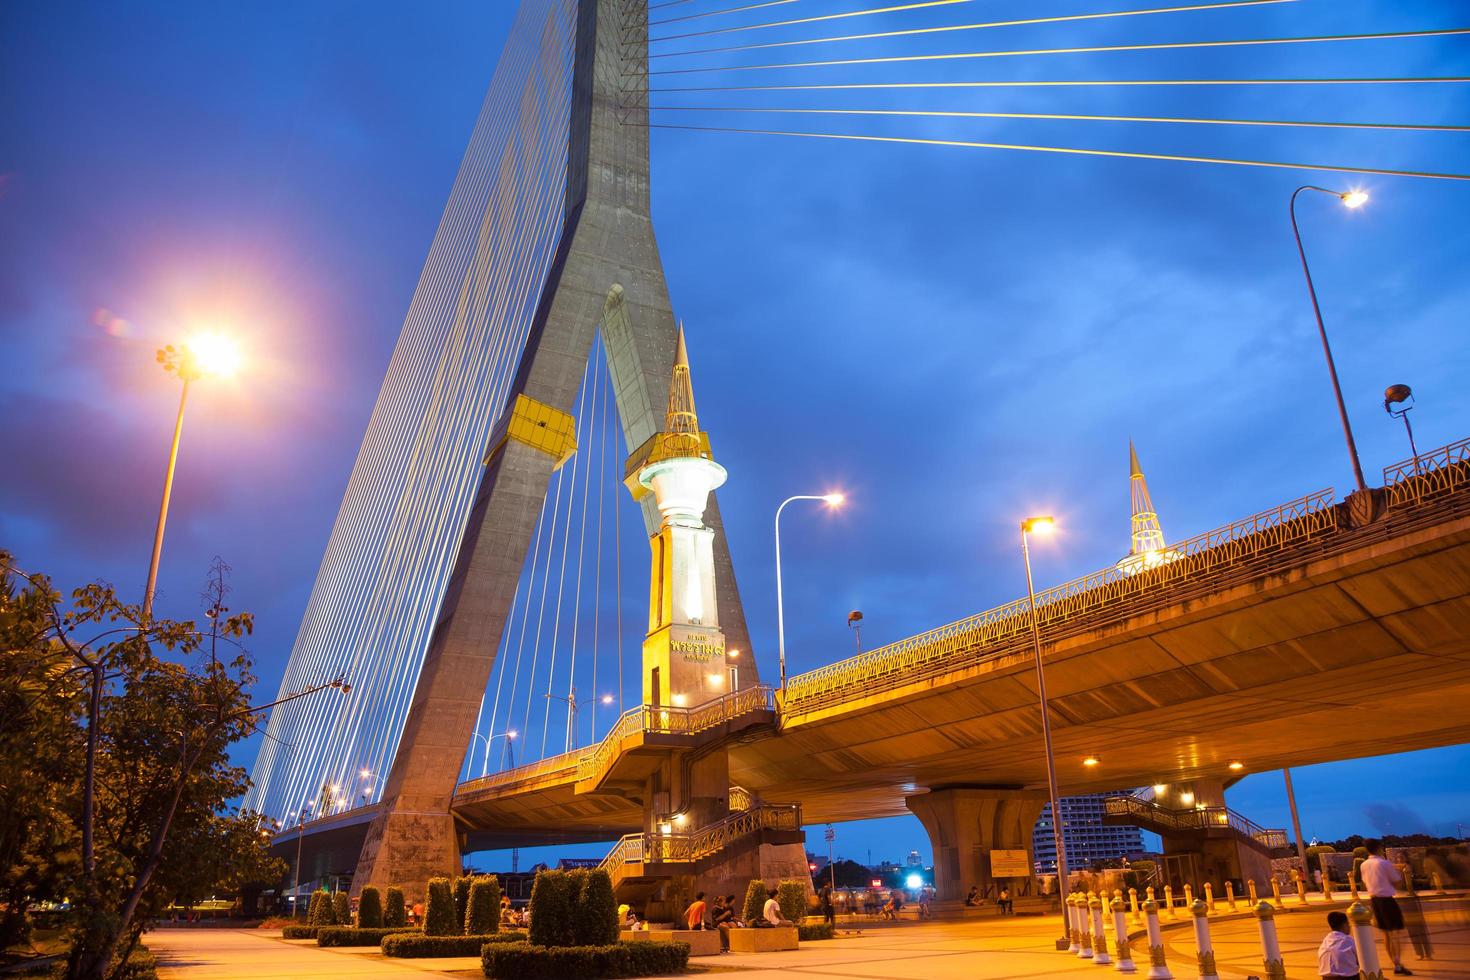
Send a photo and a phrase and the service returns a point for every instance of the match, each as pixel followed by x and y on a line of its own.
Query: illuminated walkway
pixel 989 948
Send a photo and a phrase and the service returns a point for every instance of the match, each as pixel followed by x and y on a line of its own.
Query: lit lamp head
pixel 1354 199
pixel 1038 525
pixel 834 499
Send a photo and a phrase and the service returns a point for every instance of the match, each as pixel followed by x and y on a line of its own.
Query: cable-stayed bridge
pixel 473 583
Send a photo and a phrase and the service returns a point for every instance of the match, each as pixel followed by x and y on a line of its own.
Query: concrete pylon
pixel 606 271
pixel 965 823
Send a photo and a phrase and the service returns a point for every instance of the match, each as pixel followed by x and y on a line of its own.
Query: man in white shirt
pixel 1337 958
pixel 772 911
pixel 1379 878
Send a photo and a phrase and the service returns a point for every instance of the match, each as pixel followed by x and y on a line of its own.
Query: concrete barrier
pixel 772 940
pixel 1205 952
pixel 702 942
pixel 1158 968
pixel 1100 955
pixel 1122 950
pixel 1270 945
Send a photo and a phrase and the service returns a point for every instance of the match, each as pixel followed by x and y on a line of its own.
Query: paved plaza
pixel 993 948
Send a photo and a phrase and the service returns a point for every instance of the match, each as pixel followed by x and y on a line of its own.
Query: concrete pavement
pixel 1012 947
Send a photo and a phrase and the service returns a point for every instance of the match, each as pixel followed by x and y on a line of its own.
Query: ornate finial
pixel 1147 536
pixel 681 424
pixel 1265 911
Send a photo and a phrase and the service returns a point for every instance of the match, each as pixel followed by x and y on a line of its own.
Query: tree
pixel 342 909
pixel 551 907
pixel 595 915
pixel 370 909
pixel 395 913
pixel 439 910
pixel 849 874
pixel 322 912
pixel 461 900
pixel 145 711
pixel 482 916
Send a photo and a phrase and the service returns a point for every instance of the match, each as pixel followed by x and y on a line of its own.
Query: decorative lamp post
pixel 831 500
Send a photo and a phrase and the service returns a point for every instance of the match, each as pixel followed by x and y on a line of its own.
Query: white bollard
pixel 1133 905
pixel 1188 895
pixel 1169 899
pixel 1206 952
pixel 1276 892
pixel 1365 939
pixel 1250 885
pixel 1210 896
pixel 1073 930
pixel 1100 955
pixel 1270 945
pixel 1230 894
pixel 1122 950
pixel 1084 935
pixel 1158 968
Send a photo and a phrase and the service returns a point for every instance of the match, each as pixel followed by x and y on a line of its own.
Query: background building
pixel 1087 838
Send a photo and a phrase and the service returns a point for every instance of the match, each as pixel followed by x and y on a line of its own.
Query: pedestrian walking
pixel 1379 878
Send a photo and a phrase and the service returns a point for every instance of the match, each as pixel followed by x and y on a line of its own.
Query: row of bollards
pixel 1085 926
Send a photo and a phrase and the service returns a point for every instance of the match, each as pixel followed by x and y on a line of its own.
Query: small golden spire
pixel 681 419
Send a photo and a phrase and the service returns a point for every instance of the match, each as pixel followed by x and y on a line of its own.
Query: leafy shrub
pixel 416 945
pixel 299 932
pixel 141 965
pixel 322 913
pixel 394 911
pixel 595 916
pixel 439 910
pixel 482 915
pixel 820 930
pixel 461 900
pixel 551 909
pixel 343 936
pixel 370 909
pixel 791 895
pixel 342 909
pixel 523 961
pixel 755 900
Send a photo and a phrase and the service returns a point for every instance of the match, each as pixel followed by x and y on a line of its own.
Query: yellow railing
pixel 1436 472
pixel 641 849
pixel 938 649
pixel 593 762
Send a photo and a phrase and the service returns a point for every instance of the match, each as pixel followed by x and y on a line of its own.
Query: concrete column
pixel 965 823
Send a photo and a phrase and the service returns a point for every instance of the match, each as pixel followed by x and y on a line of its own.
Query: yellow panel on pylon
pixel 542 427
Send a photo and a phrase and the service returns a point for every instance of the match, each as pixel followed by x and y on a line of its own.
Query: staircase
pixel 639 863
pixel 1201 821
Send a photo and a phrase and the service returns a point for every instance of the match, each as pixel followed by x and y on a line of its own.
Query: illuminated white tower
pixel 1147 538
pixel 684 651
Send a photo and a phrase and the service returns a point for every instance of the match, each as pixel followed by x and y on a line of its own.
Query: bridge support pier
pixel 966 823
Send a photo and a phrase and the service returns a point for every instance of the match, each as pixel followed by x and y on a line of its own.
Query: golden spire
pixel 681 424
pixel 1147 535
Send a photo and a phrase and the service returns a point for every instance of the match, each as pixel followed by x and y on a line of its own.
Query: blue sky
pixel 955 337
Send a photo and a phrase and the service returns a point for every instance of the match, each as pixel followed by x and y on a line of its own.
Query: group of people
pixel 1337 957
pixel 1003 901
pixel 512 917
pixel 723 916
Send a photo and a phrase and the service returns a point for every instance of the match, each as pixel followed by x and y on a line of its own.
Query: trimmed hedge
pixel 791 896
pixel 522 961
pixel 595 916
pixel 299 932
pixel 551 909
pixel 755 901
pixel 321 912
pixel 462 902
pixel 370 909
pixel 439 910
pixel 342 909
pixel 343 936
pixel 482 916
pixel 817 930
pixel 395 913
pixel 414 945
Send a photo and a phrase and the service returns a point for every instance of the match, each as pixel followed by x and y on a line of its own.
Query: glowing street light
pixel 832 500
pixel 205 355
pixel 1350 199
pixel 509 737
pixel 1030 526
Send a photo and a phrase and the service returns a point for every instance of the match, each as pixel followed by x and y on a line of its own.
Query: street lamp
pixel 572 702
pixel 1030 526
pixel 509 746
pixel 855 623
pixel 201 356
pixel 1398 395
pixel 831 500
pixel 1350 199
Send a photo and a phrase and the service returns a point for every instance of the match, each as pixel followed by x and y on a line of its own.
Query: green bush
pixel 394 911
pixel 439 910
pixel 141 965
pixel 551 909
pixel 755 901
pixel 321 913
pixel 415 945
pixel 482 915
pixel 595 916
pixel 522 961
pixel 370 909
pixel 791 895
pixel 343 936
pixel 342 909
pixel 461 900
pixel 811 933
pixel 299 932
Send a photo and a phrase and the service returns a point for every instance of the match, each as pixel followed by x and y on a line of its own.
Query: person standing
pixel 1337 958
pixel 1379 878
pixel 829 912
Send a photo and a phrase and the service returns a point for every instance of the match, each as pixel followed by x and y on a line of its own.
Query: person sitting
pixel 723 919
pixel 694 914
pixel 1337 957
pixel 771 914
pixel 1003 900
pixel 973 899
pixel 508 917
